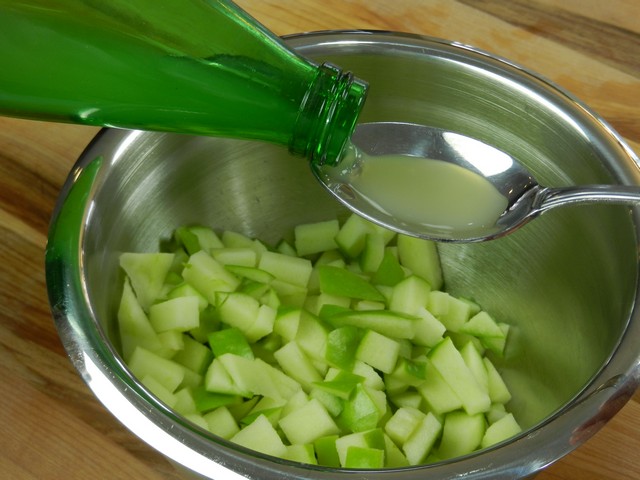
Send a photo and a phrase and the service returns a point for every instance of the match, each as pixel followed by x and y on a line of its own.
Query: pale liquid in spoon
pixel 427 192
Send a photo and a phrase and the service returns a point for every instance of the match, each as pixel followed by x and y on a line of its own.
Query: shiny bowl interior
pixel 566 282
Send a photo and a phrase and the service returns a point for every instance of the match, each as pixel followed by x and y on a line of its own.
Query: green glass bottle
pixel 190 66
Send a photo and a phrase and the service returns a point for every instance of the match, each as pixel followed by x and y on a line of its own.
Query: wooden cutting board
pixel 51 427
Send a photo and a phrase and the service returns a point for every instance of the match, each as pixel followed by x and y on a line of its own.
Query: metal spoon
pixel 525 198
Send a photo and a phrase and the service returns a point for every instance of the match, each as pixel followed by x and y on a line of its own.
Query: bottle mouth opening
pixel 328 115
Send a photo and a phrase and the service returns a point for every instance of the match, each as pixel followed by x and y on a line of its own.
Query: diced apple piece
pixel 316 237
pixel 373 438
pixel 286 248
pixel 421 257
pixel 409 372
pixel 273 414
pixel 230 340
pixel 185 290
pixel 474 361
pixel 326 451
pixel 231 239
pixel 500 430
pixel 261 436
pixel 301 453
pixel 146 363
pixel 402 424
pixel 371 377
pixel 368 305
pixel 496 412
pixel 258 377
pixel 197 237
pixel 482 325
pixel 180 314
pixel 146 272
pixel 393 456
pixel 342 282
pixel 160 391
pixel 308 423
pixel 364 457
pixel 206 401
pixel 312 335
pixel 385 322
pixel 333 404
pixel 297 365
pixel 295 401
pixel 314 303
pixel 457 314
pixel 362 411
pixel 134 326
pixel 231 258
pixel 461 434
pixel 410 296
pixel 342 344
pixel 389 272
pixel 251 273
pixel 420 442
pixel 286 323
pixel 378 351
pixel 218 380
pixel 341 384
pixel 438 303
pixel 437 393
pixel 498 390
pixel 191 379
pixel 373 253
pixel 221 422
pixel 238 310
pixel 293 270
pixel 172 341
pixel 242 409
pixel 352 235
pixel 263 326
pixel 497 344
pixel 428 330
pixel 197 419
pixel 208 276
pixel 209 322
pixel 185 402
pixel 449 362
pixel 407 399
pixel 290 295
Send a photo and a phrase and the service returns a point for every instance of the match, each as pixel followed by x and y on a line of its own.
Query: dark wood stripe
pixel 26 193
pixel 614 46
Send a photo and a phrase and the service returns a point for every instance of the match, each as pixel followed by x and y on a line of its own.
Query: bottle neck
pixel 327 115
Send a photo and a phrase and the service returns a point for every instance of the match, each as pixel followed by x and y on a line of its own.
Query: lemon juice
pixel 427 192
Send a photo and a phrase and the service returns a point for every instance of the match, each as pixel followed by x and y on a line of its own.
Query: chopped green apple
pixel 421 257
pixel 261 436
pixel 450 363
pixel 340 349
pixel 316 237
pixel 502 429
pixel 146 272
pixel 221 422
pixel 308 423
pixel 342 282
pixel 461 434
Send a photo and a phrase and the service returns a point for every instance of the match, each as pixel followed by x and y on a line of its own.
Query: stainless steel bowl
pixel 567 282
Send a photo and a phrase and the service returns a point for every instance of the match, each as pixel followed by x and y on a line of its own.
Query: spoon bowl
pixel 502 176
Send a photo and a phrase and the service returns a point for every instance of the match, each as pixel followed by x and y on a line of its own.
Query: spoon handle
pixel 555 197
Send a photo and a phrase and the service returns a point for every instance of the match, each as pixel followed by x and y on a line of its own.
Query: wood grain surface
pixel 51 427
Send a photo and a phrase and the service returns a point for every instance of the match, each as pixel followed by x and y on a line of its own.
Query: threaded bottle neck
pixel 327 115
